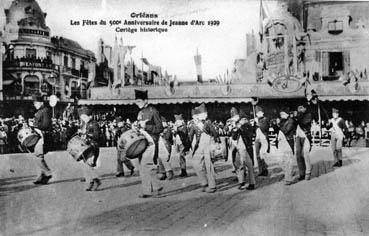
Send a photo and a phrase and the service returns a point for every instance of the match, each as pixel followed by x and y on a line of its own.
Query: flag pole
pixel 320 124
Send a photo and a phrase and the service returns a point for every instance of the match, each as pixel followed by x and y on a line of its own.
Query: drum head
pixel 31 141
pixel 136 148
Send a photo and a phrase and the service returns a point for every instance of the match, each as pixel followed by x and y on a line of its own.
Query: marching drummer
pixel 151 126
pixel 43 125
pixel 121 157
pixel 91 131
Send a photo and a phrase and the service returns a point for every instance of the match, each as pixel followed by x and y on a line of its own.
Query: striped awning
pixel 164 101
pixel 345 98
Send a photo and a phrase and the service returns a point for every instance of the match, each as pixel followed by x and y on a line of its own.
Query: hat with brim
pixel 285 110
pixel 258 109
pixel 141 94
pixel 200 112
pixel 178 117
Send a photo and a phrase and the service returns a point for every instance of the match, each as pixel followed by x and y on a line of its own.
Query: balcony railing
pixel 75 72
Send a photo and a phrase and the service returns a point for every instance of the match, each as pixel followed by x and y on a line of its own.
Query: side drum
pixel 77 147
pixel 133 143
pixel 28 137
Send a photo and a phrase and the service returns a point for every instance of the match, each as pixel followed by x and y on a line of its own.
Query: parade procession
pixel 238 118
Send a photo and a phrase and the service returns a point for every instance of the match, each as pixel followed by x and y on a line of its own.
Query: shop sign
pixel 287 84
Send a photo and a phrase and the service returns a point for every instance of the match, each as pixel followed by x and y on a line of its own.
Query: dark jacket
pixel 93 132
pixel 167 135
pixel 246 131
pixel 304 121
pixel 183 133
pixel 288 128
pixel 154 125
pixel 43 119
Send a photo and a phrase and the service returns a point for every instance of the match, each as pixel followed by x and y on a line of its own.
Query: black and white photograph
pixel 186 117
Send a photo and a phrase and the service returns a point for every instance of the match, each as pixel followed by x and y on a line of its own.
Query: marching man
pixel 303 142
pixel 43 126
pixel 203 131
pixel 121 156
pixel 150 126
pixel 242 137
pixel 337 136
pixel 91 131
pixel 261 140
pixel 286 143
pixel 165 151
pixel 182 142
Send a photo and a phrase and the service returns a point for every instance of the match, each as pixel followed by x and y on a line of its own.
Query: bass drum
pixel 78 148
pixel 28 137
pixel 133 143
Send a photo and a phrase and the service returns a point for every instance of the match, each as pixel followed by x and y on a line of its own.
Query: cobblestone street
pixel 333 202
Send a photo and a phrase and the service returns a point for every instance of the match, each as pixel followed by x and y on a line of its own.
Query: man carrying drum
pixel 91 132
pixel 121 156
pixel 43 126
pixel 150 125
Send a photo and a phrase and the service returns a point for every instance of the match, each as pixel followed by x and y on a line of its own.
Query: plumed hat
pixel 141 94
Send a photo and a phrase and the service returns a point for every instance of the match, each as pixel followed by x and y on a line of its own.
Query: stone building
pixel 35 62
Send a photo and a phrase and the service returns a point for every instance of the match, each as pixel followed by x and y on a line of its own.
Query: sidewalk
pixel 334 202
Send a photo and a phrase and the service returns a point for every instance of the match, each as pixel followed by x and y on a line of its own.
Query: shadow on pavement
pixel 159 217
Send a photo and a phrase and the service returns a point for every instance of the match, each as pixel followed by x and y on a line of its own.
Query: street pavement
pixel 333 202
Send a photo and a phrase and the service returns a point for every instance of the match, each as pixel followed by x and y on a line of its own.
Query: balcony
pixel 75 72
pixel 76 92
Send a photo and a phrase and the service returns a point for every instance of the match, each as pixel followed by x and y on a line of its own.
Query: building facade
pixel 37 63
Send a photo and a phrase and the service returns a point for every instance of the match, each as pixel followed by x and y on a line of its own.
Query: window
pixel 48 55
pixel 66 61
pixel 30 53
pixel 333 65
pixel 74 63
pixel 335 27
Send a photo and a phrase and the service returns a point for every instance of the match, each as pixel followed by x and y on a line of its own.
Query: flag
pixel 145 61
pixel 262 17
pixel 115 60
pixel 197 59
pixel 123 51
